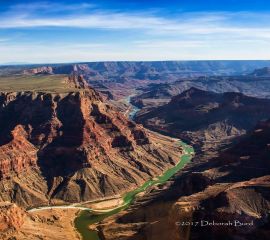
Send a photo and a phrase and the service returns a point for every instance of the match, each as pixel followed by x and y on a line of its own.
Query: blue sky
pixel 72 31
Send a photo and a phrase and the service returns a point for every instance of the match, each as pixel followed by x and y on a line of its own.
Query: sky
pixel 84 31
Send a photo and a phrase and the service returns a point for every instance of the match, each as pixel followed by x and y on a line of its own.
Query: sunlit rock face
pixel 72 147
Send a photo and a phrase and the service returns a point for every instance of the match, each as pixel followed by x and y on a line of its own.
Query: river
pixel 134 109
pixel 88 216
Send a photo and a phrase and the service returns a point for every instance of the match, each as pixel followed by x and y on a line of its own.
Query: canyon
pixel 67 141
pixel 232 186
pixel 207 120
pixel 116 80
pixel 150 70
pixel 72 147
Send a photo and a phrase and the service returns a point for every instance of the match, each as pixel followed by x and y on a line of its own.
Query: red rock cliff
pixel 73 147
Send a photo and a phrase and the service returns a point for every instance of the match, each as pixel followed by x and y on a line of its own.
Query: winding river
pixel 88 216
pixel 134 109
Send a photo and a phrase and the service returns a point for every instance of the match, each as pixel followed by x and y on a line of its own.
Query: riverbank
pixel 86 218
pixel 132 110
pixel 107 201
pixel 95 211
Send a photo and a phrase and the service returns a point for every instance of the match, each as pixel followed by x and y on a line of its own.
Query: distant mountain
pixel 263 72
pixel 206 118
pixel 157 94
pixel 159 70
pixel 115 79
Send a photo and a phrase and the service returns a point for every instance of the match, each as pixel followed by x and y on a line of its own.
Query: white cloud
pixel 47 7
pixel 137 50
pixel 27 16
pixel 201 35
pixel 185 25
pixel 169 44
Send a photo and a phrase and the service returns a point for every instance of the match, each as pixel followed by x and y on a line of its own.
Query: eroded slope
pixel 72 147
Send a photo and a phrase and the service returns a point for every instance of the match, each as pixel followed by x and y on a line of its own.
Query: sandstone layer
pixel 73 147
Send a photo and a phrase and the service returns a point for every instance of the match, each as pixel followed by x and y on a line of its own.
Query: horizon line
pixel 113 61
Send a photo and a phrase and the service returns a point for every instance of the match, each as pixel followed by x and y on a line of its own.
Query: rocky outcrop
pixel 77 80
pixel 72 147
pixel 17 155
pixel 15 223
pixel 11 219
pixel 39 70
pixel 206 119
pixel 231 189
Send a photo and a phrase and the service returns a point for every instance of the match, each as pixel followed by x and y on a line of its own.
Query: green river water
pixel 87 217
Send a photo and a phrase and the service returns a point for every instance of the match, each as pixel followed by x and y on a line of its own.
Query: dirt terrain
pixel 233 187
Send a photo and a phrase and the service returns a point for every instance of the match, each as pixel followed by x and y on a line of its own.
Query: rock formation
pixel 72 147
pixel 39 70
pixel 232 188
pixel 11 219
pixel 207 119
pixel 154 71
pixel 178 76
